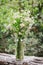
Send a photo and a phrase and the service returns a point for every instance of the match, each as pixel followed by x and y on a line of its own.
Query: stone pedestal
pixel 8 59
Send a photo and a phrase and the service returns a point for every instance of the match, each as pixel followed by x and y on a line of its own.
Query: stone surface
pixel 8 59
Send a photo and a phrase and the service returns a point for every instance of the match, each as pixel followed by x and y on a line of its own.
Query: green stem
pixel 20 49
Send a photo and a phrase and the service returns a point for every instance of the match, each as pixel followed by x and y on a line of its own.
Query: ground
pixel 8 59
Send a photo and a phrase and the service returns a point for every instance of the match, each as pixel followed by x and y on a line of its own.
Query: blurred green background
pixel 30 14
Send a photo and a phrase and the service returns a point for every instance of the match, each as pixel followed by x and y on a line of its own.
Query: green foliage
pixel 23 17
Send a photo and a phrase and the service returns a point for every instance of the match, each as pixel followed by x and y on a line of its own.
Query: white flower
pixel 28 12
pixel 30 25
pixel 27 19
pixel 16 15
pixel 21 40
pixel 22 25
